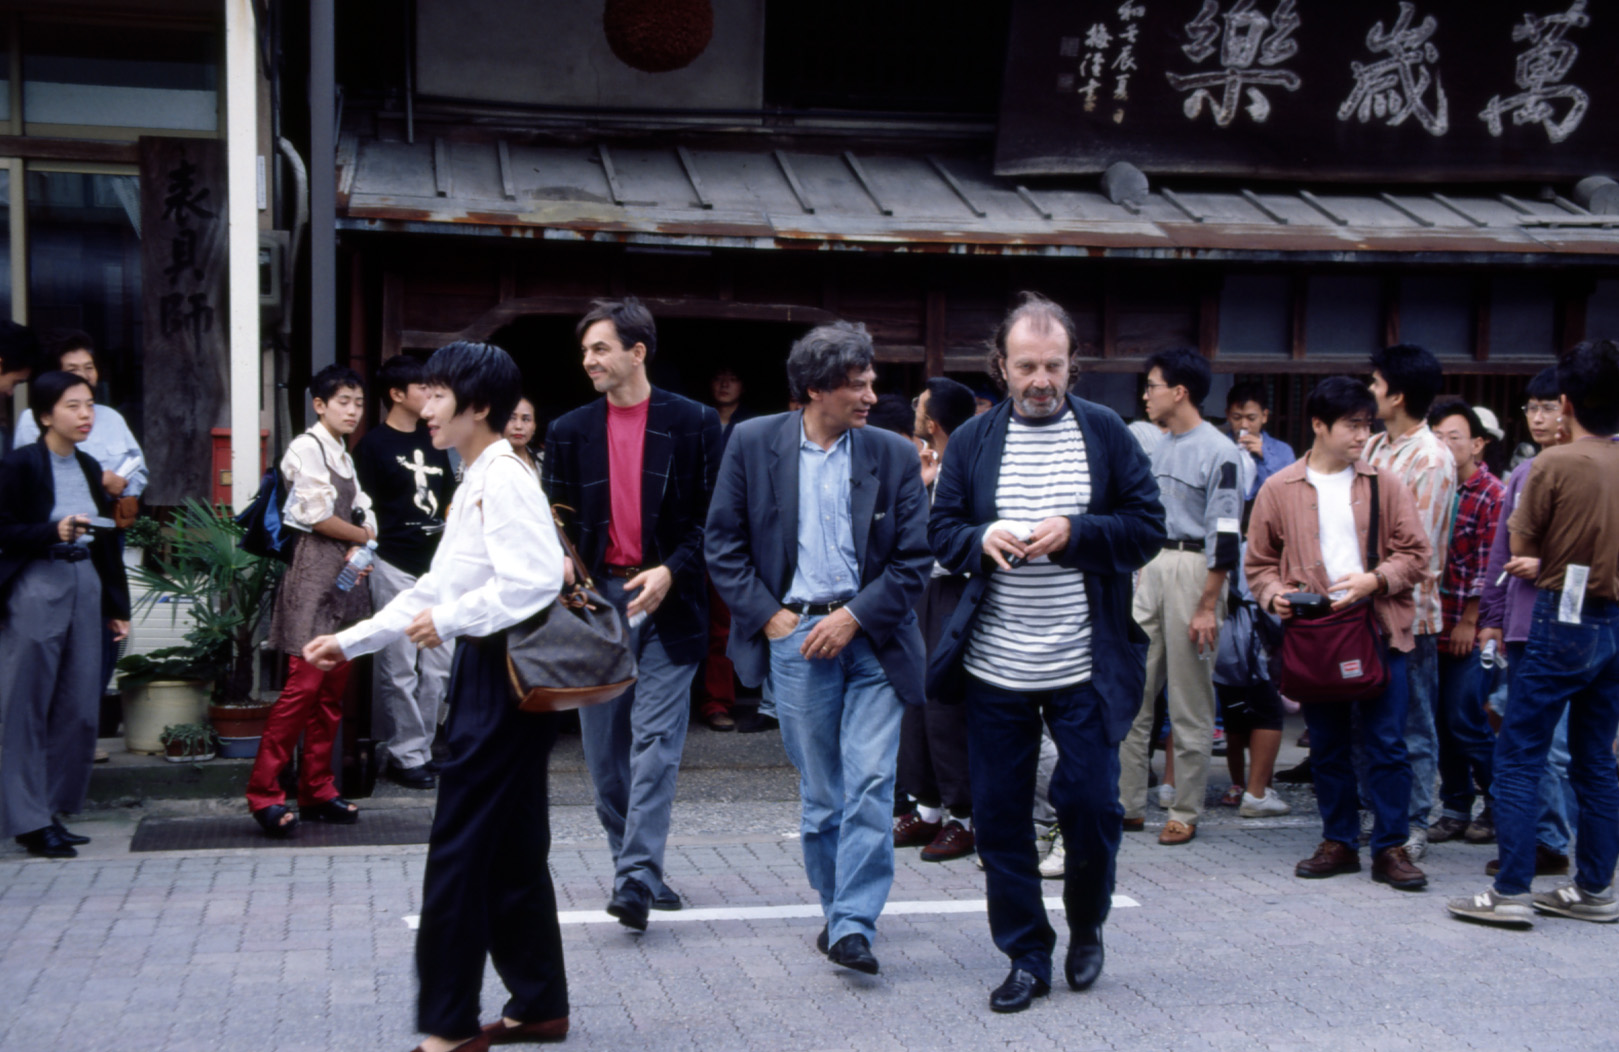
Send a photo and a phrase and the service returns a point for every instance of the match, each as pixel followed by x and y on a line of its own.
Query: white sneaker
pixel 1417 845
pixel 1571 900
pixel 1166 795
pixel 1051 867
pixel 1491 907
pixel 1268 806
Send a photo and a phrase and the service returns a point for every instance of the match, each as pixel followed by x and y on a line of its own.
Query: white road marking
pixel 724 913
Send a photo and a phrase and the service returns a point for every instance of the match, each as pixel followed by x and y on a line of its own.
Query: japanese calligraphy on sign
pixel 1310 88
pixel 183 263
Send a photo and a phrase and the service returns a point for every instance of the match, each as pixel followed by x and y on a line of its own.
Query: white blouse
pixel 498 563
pixel 308 464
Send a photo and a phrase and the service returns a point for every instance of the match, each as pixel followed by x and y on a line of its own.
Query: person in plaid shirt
pixel 1466 745
pixel 1405 381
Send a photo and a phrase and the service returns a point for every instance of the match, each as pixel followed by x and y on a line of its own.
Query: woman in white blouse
pixel 488 887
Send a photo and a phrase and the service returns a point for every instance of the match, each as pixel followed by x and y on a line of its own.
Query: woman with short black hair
pixel 487 892
pixel 60 579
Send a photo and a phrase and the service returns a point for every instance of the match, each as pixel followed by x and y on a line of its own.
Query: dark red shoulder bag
pixel 1340 657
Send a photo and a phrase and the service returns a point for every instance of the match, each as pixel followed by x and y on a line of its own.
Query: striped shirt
pixel 1034 628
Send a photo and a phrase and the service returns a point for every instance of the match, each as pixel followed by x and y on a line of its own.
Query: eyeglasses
pixel 1542 409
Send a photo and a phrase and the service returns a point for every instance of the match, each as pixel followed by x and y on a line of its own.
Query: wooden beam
pixel 1208 318
pixel 1299 312
pixel 934 333
pixel 33 149
pixel 1481 319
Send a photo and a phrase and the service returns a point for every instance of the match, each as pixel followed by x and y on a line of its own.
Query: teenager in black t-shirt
pixel 410 484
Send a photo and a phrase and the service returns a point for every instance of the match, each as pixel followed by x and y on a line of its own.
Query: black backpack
pixel 266 533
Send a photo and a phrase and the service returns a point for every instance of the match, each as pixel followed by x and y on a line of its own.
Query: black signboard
pixel 1411 90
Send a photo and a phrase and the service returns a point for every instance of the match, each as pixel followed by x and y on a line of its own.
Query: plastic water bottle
pixel 1492 657
pixel 350 574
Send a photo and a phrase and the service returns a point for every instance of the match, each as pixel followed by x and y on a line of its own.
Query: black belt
pixel 815 609
pixel 623 573
pixel 68 553
pixel 1183 546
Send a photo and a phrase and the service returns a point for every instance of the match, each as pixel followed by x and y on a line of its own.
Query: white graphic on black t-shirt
pixel 425 498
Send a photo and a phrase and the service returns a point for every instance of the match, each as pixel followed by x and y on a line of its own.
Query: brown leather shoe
pixel 953 841
pixel 911 831
pixel 1548 863
pixel 1392 866
pixel 1177 833
pixel 498 1033
pixel 1135 825
pixel 1330 859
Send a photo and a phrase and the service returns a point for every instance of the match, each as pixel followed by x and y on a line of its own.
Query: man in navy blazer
pixel 637 467
pixel 1049 503
pixel 817 541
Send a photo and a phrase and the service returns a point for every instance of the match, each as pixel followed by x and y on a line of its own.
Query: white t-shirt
pixel 1340 543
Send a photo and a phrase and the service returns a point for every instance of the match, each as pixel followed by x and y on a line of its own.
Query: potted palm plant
pixel 227 592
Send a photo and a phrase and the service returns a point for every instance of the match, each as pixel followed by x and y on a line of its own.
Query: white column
pixel 241 151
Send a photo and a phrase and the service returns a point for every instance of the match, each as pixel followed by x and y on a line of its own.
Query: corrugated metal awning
pixel 766 199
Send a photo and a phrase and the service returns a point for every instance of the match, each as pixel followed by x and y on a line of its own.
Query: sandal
pixel 1232 797
pixel 337 811
pixel 270 820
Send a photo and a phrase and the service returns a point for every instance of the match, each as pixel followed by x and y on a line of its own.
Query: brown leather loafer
pixel 911 831
pixel 498 1033
pixel 1548 863
pixel 1330 859
pixel 1392 866
pixel 1177 833
pixel 953 841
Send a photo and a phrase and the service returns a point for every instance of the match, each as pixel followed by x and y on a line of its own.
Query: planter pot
pixel 162 703
pixel 133 557
pixel 239 748
pixel 179 752
pixel 238 721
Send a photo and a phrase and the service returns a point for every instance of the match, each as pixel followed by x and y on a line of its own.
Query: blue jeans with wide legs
pixel 840 725
pixel 1466 745
pixel 1558 810
pixel 1003 749
pixel 1421 736
pixel 632 747
pixel 1577 666
pixel 1388 783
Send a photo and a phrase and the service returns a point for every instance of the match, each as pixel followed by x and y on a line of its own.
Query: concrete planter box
pixel 152 706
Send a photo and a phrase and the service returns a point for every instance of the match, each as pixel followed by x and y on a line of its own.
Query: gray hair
pixel 822 359
pixel 1043 315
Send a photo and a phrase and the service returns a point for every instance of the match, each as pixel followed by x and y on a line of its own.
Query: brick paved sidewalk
pixel 280 949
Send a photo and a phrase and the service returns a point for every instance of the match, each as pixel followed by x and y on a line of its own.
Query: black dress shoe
pixel 823 941
pixel 70 838
pixel 756 723
pixel 668 901
pixel 1084 963
pixel 1018 992
pixel 630 904
pixel 853 951
pixel 47 843
pixel 418 777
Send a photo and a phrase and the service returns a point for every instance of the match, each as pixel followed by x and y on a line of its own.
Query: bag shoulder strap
pixel 1373 528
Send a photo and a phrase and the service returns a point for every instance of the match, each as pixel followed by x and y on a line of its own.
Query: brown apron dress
pixel 309 604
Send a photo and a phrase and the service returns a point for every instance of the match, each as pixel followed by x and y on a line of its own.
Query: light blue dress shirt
pixel 827 568
pixel 111 443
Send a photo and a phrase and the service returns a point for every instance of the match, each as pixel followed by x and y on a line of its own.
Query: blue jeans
pixel 1558 809
pixel 1577 666
pixel 1004 750
pixel 1382 721
pixel 1421 735
pixel 632 746
pixel 840 725
pixel 1466 745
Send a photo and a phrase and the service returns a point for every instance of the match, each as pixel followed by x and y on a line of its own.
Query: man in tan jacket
pixel 1308 534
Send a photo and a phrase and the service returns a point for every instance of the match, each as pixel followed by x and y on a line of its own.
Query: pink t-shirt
pixel 626 446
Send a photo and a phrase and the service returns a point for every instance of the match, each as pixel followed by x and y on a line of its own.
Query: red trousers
pixel 719 682
pixel 310 705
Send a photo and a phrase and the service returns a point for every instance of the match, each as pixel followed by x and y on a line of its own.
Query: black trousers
pixel 1005 751
pixel 488 888
pixel 933 736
